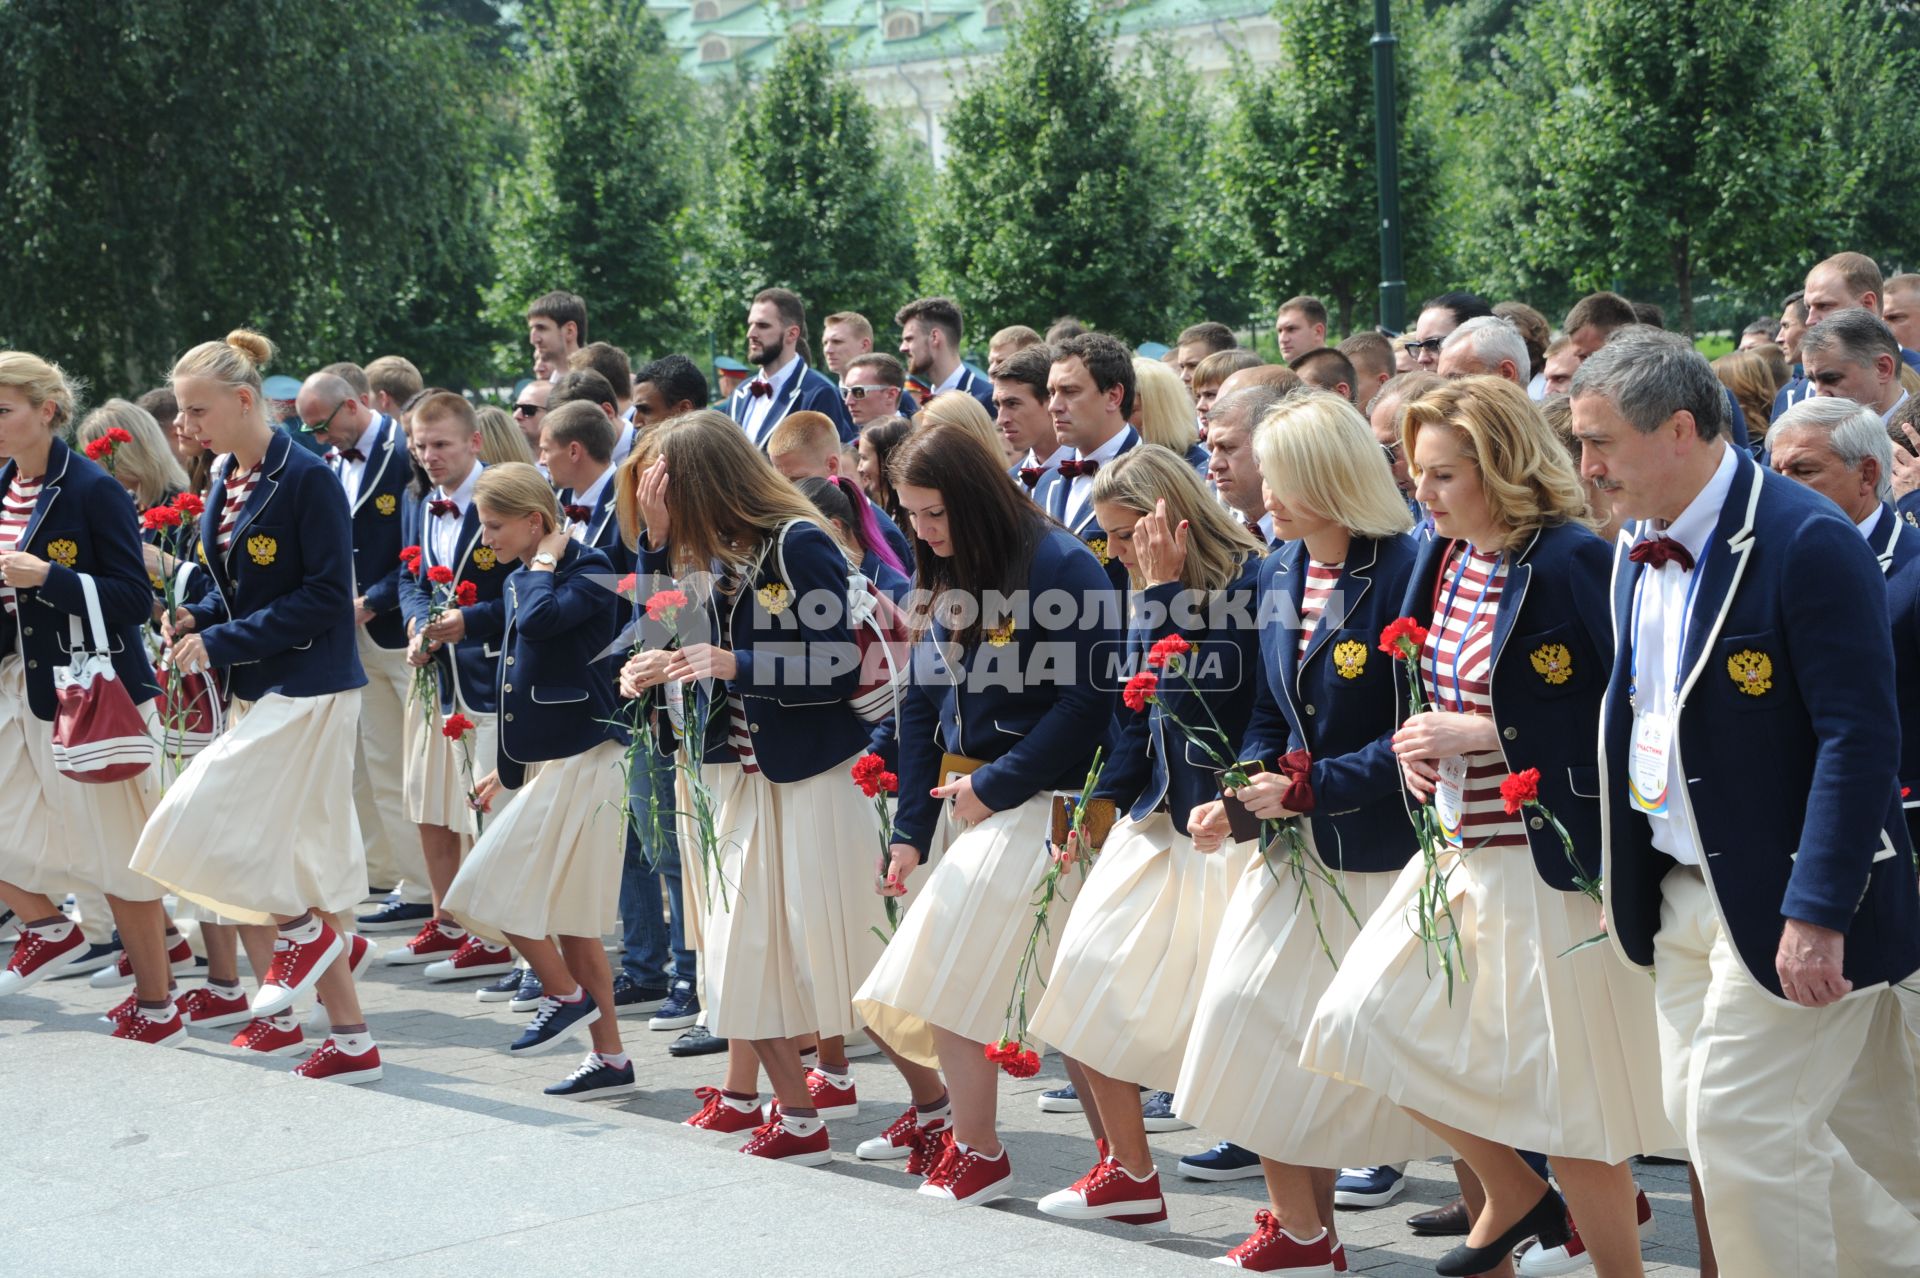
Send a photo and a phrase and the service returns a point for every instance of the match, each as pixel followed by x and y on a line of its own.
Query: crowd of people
pixel 1294 747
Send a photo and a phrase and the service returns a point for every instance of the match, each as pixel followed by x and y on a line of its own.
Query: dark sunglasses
pixel 315 430
pixel 527 410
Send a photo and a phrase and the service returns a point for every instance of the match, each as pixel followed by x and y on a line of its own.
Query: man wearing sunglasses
pixel 872 386
pixel 529 407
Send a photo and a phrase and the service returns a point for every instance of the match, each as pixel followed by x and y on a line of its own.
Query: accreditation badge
pixel 1647 762
pixel 1450 798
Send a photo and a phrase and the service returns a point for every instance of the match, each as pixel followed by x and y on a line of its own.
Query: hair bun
pixel 254 346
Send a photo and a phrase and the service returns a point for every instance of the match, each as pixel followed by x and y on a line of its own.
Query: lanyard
pixel 1466 631
pixel 1686 624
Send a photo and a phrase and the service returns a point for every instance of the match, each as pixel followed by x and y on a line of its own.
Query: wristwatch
pixel 544 559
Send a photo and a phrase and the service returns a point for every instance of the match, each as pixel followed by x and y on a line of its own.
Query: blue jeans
pixel 647 937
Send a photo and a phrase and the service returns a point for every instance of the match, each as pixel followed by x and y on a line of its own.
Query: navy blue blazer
pixel 1199 458
pixel 379 529
pixel 977 384
pixel 1339 705
pixel 896 540
pixel 1033 704
pixel 1909 508
pixel 1793 392
pixel 1807 825
pixel 466 666
pixel 894 584
pixel 1897 547
pixel 1052 494
pixel 806 388
pixel 82 524
pixel 797 665
pixel 1153 762
pixel 280 614
pixel 556 696
pixel 1552 646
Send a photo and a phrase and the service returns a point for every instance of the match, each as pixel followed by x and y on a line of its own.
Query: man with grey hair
pixel 1231 463
pixel 1853 355
pixel 1776 910
pixel 1489 345
pixel 1840 450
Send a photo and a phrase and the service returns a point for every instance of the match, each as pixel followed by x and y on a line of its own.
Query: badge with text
pixel 1450 798
pixel 1647 762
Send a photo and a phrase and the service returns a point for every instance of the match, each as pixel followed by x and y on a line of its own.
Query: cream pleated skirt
pixel 58 834
pixel 433 778
pixel 1241 1078
pixel 1122 991
pixel 262 821
pixel 952 963
pixel 1538 1049
pixel 548 862
pixel 790 910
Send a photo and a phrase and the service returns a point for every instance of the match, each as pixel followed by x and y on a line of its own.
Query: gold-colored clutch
pixel 955 766
pixel 1095 827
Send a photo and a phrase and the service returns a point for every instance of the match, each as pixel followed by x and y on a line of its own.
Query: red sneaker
pixel 179 958
pixel 1339 1258
pixel 296 969
pixel 895 1142
pixel 1272 1250
pixel 967 1177
pixel 1109 1192
pixel 721 1113
pixel 35 958
pixel 931 1145
pixel 437 939
pixel 775 1141
pixel 335 1066
pixel 139 1027
pixel 122 1010
pixel 475 957
pixel 832 1097
pixel 359 954
pixel 272 1036
pixel 208 1008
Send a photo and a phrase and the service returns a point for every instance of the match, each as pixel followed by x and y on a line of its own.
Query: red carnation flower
pixel 119 435
pixel 456 726
pixel 664 604
pixel 1140 690
pixel 1168 648
pixel 1520 789
pixel 466 594
pixel 890 782
pixel 155 518
pixel 1017 1061
pixel 868 771
pixel 1403 629
pixel 190 505
pixel 99 448
pixel 440 574
pixel 628 587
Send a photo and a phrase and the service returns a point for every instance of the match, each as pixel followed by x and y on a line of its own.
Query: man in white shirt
pixel 931 329
pixel 556 328
pixel 844 337
pixel 612 363
pixel 576 447
pixel 1231 463
pixel 1090 394
pixel 1852 354
pixel 1020 411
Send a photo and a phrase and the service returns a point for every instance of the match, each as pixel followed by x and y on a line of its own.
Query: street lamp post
pixel 1386 144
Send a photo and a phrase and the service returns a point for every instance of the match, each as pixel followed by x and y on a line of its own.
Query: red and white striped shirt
pixel 1321 579
pixel 239 488
pixel 16 512
pixel 1458 665
pixel 738 738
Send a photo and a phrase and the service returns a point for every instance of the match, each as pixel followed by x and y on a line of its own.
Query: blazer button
pixel 1509 733
pixel 1536 823
pixel 506 687
pixel 1309 709
pixel 26 630
pixel 509 718
pixel 509 660
pixel 753 727
pixel 33 665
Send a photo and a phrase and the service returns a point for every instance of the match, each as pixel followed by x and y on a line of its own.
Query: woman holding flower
pixel 1321 732
pixel 1008 687
pixel 1533 1046
pixel 1119 1001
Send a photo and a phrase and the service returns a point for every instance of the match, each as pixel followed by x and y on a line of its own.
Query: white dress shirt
pixel 443 535
pixel 756 421
pixel 1887 416
pixel 588 497
pixel 352 472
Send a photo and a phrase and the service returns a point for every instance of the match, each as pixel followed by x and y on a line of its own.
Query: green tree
pixel 805 198
pixel 595 205
pixel 1048 203
pixel 176 170
pixel 1295 162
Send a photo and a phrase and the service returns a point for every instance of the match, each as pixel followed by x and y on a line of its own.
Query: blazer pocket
pixel 1556 662
pixel 558 696
pixel 1748 672
pixel 1584 782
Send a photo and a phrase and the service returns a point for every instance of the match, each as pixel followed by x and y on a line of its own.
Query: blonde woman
pixel 1163 413
pixel 549 864
pixel 1120 998
pixel 1537 1044
pixel 1321 730
pixel 500 440
pixel 277 539
pixel 60 560
pixel 144 464
pixel 964 411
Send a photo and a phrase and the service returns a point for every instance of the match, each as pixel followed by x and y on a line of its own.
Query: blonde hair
pixel 1750 376
pixel 1524 471
pixel 1166 410
pixel 234 362
pixel 1217 543
pixel 41 381
pixel 961 410
pixel 501 442
pixel 147 462
pixel 515 488
pixel 1316 451
pixel 810 433
pixel 725 497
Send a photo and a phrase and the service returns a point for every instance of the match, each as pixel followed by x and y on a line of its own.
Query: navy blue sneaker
pixel 554 1024
pixel 395 916
pixel 594 1080
pixel 529 994
pixel 105 954
pixel 1157 1111
pixel 1061 1100
pixel 681 1009
pixel 501 989
pixel 630 998
pixel 696 1042
pixel 1225 1161
pixel 1368 1186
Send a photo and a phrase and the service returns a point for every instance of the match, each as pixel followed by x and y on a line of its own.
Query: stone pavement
pixel 200 1161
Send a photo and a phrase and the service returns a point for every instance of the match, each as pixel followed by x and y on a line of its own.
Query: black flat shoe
pixel 1547 1217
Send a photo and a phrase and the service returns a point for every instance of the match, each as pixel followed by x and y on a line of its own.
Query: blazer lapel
pixel 1291 576
pixel 1512 595
pixel 603 512
pixel 1347 594
pixel 263 491
pixel 369 473
pixel 1726 562
pixel 1886 535
pixel 469 537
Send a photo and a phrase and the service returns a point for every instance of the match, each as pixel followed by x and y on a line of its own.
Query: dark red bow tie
pixel 444 509
pixel 1660 550
pixel 1075 469
pixel 1030 475
pixel 349 454
pixel 578 513
pixel 1259 533
pixel 758 387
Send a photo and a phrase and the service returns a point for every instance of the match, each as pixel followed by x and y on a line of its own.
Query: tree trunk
pixel 1343 311
pixel 1683 281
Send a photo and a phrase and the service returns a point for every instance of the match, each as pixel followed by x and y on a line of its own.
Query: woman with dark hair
pixel 877 443
pixel 989 749
pixel 858 533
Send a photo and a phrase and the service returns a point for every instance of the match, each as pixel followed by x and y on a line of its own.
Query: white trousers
pixel 392 841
